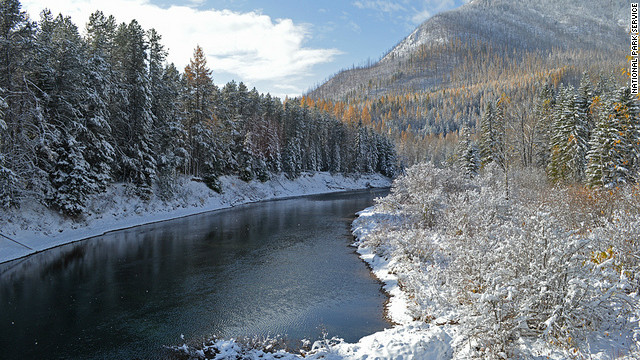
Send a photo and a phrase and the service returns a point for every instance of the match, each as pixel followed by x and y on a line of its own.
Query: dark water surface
pixel 280 267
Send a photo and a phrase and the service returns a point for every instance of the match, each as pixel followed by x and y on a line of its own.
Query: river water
pixel 273 268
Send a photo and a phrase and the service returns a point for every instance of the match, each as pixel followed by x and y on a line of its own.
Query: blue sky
pixel 279 46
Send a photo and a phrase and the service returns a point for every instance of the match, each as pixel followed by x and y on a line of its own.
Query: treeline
pixel 587 135
pixel 79 112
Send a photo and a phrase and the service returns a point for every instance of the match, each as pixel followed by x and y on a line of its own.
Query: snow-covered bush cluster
pixel 559 266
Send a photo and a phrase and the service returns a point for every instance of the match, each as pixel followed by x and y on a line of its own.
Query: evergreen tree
pixel 199 125
pixel 628 114
pixel 18 139
pixel 60 75
pixel 387 161
pixel 69 178
pixel 602 156
pixel 569 142
pixel 468 156
pixel 134 131
pixel 613 158
pixel 271 143
pixel 492 132
pixel 170 146
pixel 96 135
pixel 487 132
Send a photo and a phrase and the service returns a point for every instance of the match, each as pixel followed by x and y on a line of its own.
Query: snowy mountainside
pixel 508 26
pixel 525 25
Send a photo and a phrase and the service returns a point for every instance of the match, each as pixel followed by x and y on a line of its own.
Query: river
pixel 273 268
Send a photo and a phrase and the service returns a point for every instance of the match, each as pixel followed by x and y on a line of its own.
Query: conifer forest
pixel 79 112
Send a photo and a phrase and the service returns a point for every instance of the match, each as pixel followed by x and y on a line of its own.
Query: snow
pixel 35 228
pixel 397 307
pixel 408 340
pixel 412 341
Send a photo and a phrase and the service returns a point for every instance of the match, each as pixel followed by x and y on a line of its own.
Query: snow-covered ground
pixel 35 228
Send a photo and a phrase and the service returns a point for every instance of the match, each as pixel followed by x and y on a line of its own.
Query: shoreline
pixel 38 229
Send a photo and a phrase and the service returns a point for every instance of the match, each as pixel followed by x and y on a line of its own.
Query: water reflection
pixel 279 267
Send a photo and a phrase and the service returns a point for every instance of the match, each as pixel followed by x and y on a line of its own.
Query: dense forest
pixel 82 111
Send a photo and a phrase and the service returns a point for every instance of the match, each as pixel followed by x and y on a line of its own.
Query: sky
pixel 283 47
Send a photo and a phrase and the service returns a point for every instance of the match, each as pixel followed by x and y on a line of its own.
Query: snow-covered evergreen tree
pixel 100 93
pixel 603 159
pixel 70 178
pixel 170 146
pixel 570 137
pixel 18 140
pixel 60 76
pixel 134 130
pixel 492 134
pixel 628 114
pixel 468 155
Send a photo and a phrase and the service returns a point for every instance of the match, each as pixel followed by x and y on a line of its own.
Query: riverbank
pixel 481 273
pixel 473 275
pixel 34 228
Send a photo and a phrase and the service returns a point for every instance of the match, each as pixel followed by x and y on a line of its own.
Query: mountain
pixel 525 25
pixel 509 25
pixel 436 80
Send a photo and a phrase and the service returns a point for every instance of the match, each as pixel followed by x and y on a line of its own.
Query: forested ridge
pixel 437 81
pixel 80 111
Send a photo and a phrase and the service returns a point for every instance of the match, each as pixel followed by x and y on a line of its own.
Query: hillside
pixel 508 26
pixel 436 80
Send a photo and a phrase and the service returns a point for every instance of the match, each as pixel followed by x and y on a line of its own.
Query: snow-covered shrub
pixel 536 266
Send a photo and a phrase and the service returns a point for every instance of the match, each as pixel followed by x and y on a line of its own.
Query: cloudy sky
pixel 284 47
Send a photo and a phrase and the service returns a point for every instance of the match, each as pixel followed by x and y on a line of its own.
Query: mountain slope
pixel 508 26
pixel 437 80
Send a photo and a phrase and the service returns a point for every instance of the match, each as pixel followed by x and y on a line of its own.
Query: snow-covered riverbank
pixel 35 228
pixel 408 339
pixel 475 276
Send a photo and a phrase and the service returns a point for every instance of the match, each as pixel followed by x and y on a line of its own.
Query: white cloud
pixel 250 45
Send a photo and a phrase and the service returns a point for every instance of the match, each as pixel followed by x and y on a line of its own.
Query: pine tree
pixel 18 140
pixel 101 94
pixel 569 142
pixel 468 155
pixel 293 128
pixel 198 105
pixel 60 76
pixel 70 178
pixel 170 145
pixel 8 179
pixel 135 118
pixel 271 144
pixel 602 157
pixel 628 114
pixel 492 132
pixel 487 132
